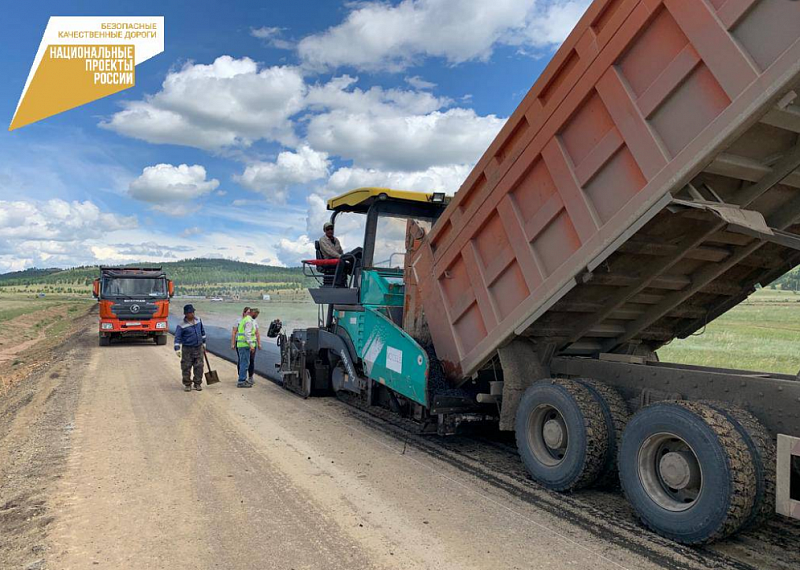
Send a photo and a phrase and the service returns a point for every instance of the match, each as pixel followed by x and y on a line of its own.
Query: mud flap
pixel 522 366
pixel 788 477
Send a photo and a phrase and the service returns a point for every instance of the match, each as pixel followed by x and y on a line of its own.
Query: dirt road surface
pixel 107 463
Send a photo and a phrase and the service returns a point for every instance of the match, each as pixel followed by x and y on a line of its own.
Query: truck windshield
pixel 139 287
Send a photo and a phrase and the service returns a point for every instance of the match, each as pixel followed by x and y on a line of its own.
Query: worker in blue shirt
pixel 190 345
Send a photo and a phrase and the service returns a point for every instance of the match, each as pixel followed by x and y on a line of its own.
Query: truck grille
pixel 134 311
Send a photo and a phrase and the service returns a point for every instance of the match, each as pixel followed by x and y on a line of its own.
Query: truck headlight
pixel 161 325
pixel 106 326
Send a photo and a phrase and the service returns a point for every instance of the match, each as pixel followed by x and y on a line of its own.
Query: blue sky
pixel 255 114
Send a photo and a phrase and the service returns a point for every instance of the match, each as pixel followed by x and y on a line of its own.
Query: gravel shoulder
pixel 36 421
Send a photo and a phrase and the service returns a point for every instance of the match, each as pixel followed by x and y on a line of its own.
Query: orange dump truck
pixel 134 302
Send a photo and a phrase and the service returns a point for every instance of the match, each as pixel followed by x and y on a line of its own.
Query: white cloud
pixel 151 249
pixel 192 231
pixel 434 179
pixel 291 252
pixel 272 37
pixel 404 142
pixel 231 104
pixel 57 220
pixel 349 229
pixel 273 179
pixel 394 129
pixel 165 184
pixel 337 94
pixel 53 232
pixel 57 233
pixel 228 103
pixel 383 36
pixel 238 203
pixel 317 214
pixel 265 32
pixel 418 82
pixel 553 22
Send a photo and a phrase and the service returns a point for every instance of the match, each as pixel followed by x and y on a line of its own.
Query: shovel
pixel 211 376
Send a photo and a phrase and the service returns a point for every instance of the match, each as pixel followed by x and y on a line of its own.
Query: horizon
pixel 132 263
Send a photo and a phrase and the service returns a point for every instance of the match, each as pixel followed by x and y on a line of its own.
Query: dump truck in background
pixel 646 185
pixel 134 303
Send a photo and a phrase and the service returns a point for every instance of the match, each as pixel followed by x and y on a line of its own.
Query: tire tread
pixel 596 431
pixel 740 467
pixel 617 414
pixel 764 460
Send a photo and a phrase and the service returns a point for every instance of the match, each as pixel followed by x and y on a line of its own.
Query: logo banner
pixel 81 59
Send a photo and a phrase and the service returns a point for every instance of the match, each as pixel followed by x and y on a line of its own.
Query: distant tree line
pixel 200 276
pixel 789 282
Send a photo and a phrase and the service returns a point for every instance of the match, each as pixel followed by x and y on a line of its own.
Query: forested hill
pixel 200 276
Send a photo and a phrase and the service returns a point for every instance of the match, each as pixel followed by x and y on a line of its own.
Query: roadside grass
pixel 30 328
pixel 12 313
pixel 762 334
pixel 16 307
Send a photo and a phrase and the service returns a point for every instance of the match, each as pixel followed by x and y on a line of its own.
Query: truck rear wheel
pixel 104 340
pixel 561 434
pixel 763 454
pixel 616 414
pixel 687 471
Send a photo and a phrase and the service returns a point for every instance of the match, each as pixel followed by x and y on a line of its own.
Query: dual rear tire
pixel 694 472
pixel 561 434
pixel 687 471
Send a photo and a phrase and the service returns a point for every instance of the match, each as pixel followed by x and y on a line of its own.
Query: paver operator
pixel 329 245
pixel 190 344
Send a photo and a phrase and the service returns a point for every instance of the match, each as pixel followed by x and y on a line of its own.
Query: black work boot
pixel 187 388
pixel 198 387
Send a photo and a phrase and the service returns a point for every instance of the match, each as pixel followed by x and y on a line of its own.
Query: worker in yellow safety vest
pixel 245 347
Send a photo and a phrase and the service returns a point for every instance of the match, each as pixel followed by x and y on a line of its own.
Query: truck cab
pixel 134 302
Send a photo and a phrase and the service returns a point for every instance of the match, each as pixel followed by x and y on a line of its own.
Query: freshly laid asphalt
pixel 218 341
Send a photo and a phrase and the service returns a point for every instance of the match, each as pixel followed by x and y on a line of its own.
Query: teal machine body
pixel 360 348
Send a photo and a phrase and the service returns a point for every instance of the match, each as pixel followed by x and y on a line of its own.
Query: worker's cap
pixel 326 226
pixel 188 309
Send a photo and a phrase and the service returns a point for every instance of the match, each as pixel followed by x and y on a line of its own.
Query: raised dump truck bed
pixel 645 185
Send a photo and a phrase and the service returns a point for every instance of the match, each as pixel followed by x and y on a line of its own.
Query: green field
pixel 763 333
pixel 17 305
